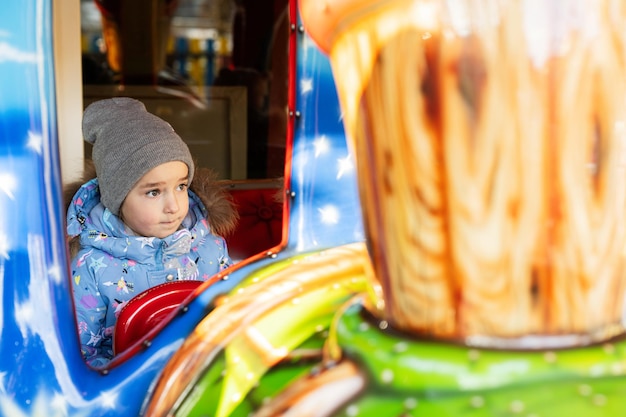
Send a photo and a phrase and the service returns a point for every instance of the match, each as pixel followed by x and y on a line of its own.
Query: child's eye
pixel 152 193
pixel 182 187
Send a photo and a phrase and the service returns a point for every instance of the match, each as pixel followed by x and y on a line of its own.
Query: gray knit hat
pixel 128 141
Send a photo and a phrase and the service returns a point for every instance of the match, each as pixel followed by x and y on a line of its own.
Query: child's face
pixel 158 203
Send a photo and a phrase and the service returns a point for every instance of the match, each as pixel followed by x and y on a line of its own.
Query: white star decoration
pixel 35 142
pixel 329 214
pixel 147 241
pixel 306 85
pixel 109 399
pixel 8 183
pixel 321 145
pixel 344 166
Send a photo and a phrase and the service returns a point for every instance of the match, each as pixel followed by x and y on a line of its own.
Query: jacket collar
pixel 101 229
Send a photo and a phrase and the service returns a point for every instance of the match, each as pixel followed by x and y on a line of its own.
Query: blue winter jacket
pixel 113 265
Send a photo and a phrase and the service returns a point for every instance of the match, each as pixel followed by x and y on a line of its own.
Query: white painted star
pixel 345 165
pixel 329 214
pixel 35 142
pixel 147 241
pixel 306 85
pixel 321 145
pixel 8 184
pixel 109 399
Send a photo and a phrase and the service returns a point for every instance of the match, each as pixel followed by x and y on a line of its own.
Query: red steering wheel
pixel 147 309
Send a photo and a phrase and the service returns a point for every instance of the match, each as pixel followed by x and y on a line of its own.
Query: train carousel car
pixel 453 237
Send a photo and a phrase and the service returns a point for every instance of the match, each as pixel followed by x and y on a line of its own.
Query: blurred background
pixel 215 69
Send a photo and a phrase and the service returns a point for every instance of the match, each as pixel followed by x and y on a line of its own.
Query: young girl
pixel 137 224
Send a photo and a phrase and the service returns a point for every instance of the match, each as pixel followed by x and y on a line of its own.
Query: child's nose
pixel 172 205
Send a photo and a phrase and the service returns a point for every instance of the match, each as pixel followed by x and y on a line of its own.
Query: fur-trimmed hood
pixel 222 214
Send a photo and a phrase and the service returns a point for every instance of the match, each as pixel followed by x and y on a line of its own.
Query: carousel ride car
pixel 435 258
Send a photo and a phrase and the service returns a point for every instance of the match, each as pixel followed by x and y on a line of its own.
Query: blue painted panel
pixel 326 210
pixel 41 370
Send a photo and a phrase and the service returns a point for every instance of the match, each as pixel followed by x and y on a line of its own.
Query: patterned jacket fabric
pixel 113 265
